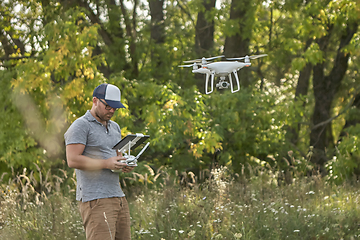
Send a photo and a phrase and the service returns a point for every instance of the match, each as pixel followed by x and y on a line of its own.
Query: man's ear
pixel 95 100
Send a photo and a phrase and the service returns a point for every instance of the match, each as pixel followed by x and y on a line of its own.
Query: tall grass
pixel 33 208
pixel 218 207
pixel 222 208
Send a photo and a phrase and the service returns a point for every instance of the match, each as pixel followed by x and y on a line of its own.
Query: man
pixel 89 141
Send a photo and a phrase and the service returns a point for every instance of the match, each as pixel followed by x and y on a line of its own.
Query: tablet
pixel 131 141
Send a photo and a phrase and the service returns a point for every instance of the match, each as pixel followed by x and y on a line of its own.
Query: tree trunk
pixel 302 88
pixel 204 38
pixel 237 43
pixel 325 89
pixel 204 30
pixel 111 36
pixel 131 33
pixel 157 37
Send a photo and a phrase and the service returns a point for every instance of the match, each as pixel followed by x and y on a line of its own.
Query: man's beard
pixel 105 117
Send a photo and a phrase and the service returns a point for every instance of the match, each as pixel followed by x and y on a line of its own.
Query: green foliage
pixel 189 129
pixel 18 148
pixel 314 55
pixel 251 126
pixel 71 49
pixel 36 95
pixel 345 165
pixel 175 122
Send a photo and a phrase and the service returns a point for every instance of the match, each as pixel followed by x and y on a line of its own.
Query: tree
pixel 204 29
pixel 239 33
pixel 325 89
pixel 55 52
pixel 157 35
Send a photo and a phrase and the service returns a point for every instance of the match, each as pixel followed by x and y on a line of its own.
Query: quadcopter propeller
pixel 194 65
pixel 250 57
pixel 201 60
pixel 189 65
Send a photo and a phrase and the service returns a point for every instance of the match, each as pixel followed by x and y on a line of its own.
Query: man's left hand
pixel 127 169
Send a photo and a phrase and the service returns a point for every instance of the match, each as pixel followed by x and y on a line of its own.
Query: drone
pixel 220 69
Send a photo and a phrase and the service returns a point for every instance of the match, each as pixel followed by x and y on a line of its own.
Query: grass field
pixel 217 208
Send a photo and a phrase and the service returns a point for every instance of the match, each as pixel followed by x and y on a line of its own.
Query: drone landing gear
pixel 222 83
pixel 237 81
pixel 207 83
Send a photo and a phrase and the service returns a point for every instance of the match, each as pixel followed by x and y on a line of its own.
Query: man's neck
pixel 97 117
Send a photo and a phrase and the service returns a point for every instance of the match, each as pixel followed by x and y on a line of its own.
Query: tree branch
pixel 186 12
pixel 7 58
pixel 340 113
pixel 96 20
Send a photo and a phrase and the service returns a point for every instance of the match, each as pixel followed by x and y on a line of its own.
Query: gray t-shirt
pixel 98 143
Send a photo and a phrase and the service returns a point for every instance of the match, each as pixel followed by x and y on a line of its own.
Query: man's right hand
pixel 114 163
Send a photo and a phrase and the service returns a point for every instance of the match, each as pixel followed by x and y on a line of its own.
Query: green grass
pixel 217 208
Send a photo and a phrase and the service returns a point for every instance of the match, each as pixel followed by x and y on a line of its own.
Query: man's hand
pixel 114 163
pixel 127 169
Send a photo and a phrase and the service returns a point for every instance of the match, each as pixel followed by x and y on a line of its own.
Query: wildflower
pixel 181 231
pixel 238 235
pixel 140 199
pixel 219 236
pixel 296 230
pixel 204 198
pixel 191 233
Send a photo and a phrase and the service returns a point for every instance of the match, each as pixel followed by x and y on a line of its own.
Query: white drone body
pixel 220 69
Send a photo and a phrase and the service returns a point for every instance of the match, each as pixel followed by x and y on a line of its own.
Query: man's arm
pixel 75 159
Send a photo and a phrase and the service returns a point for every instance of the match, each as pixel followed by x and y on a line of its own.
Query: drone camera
pixel 222 85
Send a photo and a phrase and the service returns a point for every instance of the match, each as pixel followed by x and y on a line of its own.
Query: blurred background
pixel 297 110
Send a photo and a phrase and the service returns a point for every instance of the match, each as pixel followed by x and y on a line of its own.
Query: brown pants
pixel 106 218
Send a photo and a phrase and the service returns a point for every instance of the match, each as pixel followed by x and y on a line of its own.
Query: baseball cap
pixel 110 93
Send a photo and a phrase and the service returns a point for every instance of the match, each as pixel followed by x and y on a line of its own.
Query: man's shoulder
pixel 81 121
pixel 80 127
pixel 113 123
